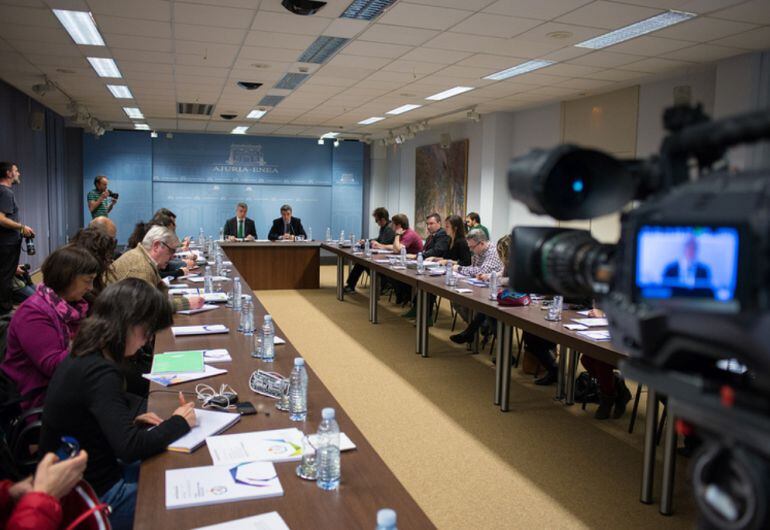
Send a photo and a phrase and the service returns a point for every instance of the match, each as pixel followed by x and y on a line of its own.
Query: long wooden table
pixel 531 319
pixel 276 264
pixel 367 483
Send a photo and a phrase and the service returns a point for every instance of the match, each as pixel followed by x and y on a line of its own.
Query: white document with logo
pixel 266 521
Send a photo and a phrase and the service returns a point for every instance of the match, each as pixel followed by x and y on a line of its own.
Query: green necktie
pixel 240 228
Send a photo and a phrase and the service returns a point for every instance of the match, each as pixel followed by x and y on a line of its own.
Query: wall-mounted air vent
pixel 197 109
pixel 321 49
pixel 270 101
pixel 366 9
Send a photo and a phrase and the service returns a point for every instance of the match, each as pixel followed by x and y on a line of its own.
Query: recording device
pixel 29 244
pixel 686 290
pixel 245 408
pixel 114 196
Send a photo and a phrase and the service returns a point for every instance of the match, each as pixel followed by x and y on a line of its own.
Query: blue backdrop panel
pixel 347 188
pixel 126 159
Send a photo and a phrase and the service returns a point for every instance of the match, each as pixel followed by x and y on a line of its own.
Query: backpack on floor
pixel 586 389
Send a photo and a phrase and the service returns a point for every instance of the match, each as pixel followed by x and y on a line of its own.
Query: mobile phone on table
pixel 245 408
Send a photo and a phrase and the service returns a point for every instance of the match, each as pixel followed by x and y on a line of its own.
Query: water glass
pixel 307 467
pixel 554 310
pixel 283 403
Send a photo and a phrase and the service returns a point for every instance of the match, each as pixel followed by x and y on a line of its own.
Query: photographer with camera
pixel 11 232
pixel 101 200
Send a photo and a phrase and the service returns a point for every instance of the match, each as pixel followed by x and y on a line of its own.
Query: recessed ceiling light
pixel 403 108
pixel 134 113
pixel 141 127
pixel 241 129
pixel 104 67
pixel 449 93
pixel 369 121
pixel 669 18
pixel 120 91
pixel 256 114
pixel 81 26
pixel 523 68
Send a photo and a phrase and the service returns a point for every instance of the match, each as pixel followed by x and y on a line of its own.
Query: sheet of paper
pixel 203 308
pixel 591 322
pixel 210 329
pixel 175 379
pixel 598 334
pixel 382 261
pixel 585 313
pixel 175 286
pixel 462 290
pixel 203 486
pixel 398 268
pixel 220 355
pixel 575 327
pixel 208 423
pixel 475 282
pixel 216 298
pixel 266 521
pixel 167 280
pixel 201 279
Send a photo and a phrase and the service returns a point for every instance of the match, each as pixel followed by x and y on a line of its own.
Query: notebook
pixel 265 521
pixel 203 308
pixel 175 379
pixel 591 322
pixel 211 329
pixel 209 423
pixel 177 362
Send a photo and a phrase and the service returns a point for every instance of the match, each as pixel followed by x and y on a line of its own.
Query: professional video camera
pixel 686 290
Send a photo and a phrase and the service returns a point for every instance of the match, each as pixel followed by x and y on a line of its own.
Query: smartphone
pixel 69 447
pixel 245 408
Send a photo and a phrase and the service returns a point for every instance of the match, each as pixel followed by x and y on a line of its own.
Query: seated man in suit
pixel 240 226
pixel 688 276
pixel 286 227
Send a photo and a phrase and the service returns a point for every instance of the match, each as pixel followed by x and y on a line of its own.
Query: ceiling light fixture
pixel 523 68
pixel 664 20
pixel 366 9
pixel 336 142
pixel 449 93
pixel 320 141
pixel 330 135
pixel 104 67
pixel 369 121
pixel 134 113
pixel 256 114
pixel 153 134
pixel 81 27
pixel 120 91
pixel 241 129
pixel 402 109
pixel 141 127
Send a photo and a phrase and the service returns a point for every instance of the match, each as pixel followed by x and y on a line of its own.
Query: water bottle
pixel 420 263
pixel 298 391
pixel 247 316
pixel 353 241
pixel 328 234
pixel 386 519
pixel 268 339
pixel 367 249
pixel 310 233
pixel 236 294
pixel 202 238
pixel 221 234
pixel 208 281
pixel 219 261
pixel 327 452
pixel 403 256
pixel 449 276
pixel 342 237
pixel 493 286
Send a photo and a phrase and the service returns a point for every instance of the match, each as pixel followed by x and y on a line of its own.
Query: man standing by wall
pixel 100 200
pixel 11 232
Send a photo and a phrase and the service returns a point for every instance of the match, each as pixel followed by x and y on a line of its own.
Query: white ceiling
pixel 196 50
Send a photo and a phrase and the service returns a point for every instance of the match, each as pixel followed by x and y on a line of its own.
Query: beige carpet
pixel 468 465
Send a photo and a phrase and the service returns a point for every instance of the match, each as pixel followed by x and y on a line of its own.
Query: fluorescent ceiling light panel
pixel 241 129
pixel 451 92
pixel 523 68
pixel 120 91
pixel 141 127
pixel 256 114
pixel 330 135
pixel 81 26
pixel 669 18
pixel 104 67
pixel 134 113
pixel 369 121
pixel 403 108
pixel 366 9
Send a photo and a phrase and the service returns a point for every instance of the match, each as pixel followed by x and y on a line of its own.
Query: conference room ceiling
pixel 194 51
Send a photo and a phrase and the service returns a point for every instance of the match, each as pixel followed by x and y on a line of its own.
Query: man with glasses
pixel 144 261
pixel 484 260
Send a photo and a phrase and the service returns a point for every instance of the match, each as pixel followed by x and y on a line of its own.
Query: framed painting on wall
pixel 441 181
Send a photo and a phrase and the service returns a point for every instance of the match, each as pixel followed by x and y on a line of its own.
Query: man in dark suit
pixel 688 273
pixel 286 227
pixel 437 244
pixel 240 226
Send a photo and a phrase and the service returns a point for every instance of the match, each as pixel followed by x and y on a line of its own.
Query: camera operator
pixel 11 232
pixel 101 200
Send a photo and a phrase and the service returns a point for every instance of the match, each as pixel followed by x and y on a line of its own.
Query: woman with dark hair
pixel 458 246
pixel 102 247
pixel 86 399
pixel 43 326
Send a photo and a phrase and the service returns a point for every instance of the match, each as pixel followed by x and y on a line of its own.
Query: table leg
pixel 418 329
pixel 423 317
pixel 562 373
pixel 499 362
pixel 505 387
pixel 571 371
pixel 340 278
pixel 374 295
pixel 669 467
pixel 650 428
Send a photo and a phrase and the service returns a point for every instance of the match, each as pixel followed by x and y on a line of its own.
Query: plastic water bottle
pixel 221 234
pixel 327 452
pixel 202 238
pixel 208 281
pixel 298 391
pixel 386 519
pixel 247 316
pixel 310 233
pixel 219 261
pixel 342 237
pixel 449 276
pixel 420 263
pixel 493 286
pixel 268 339
pixel 403 256
pixel 353 241
pixel 367 249
pixel 237 291
pixel 328 234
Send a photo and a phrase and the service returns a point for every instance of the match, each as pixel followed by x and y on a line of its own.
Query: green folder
pixel 178 362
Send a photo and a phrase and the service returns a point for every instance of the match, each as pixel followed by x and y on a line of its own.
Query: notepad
pixel 208 423
pixel 203 308
pixel 591 322
pixel 597 335
pixel 462 290
pixel 211 329
pixel 203 486
pixel 176 379
pixel 177 362
pixel 266 521
pixel 219 355
pixel 575 327
pixel 176 286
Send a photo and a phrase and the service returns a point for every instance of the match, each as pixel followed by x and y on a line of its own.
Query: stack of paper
pixel 208 423
pixel 204 307
pixel 598 335
pixel 266 521
pixel 175 379
pixel 591 322
pixel 177 362
pixel 211 329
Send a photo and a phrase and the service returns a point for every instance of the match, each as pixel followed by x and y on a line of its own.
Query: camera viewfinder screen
pixel 687 262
